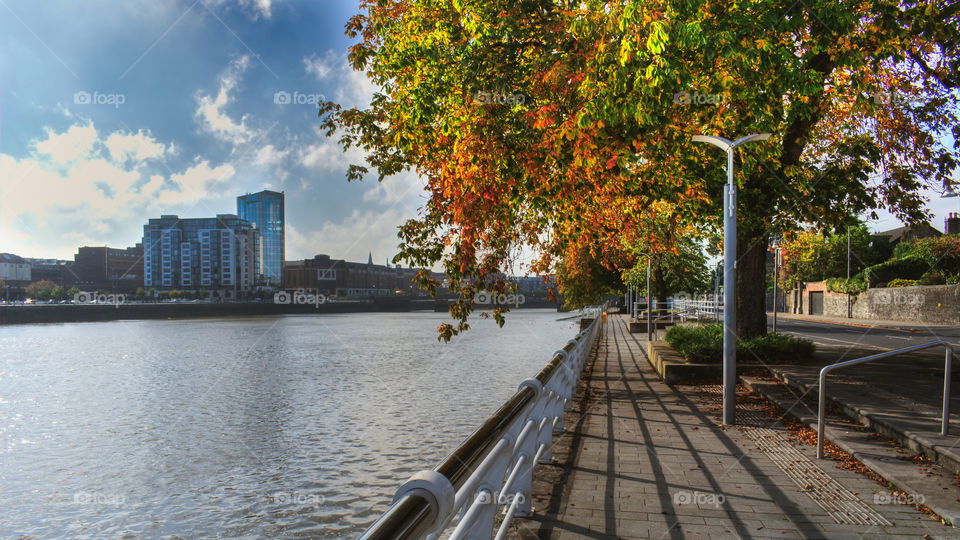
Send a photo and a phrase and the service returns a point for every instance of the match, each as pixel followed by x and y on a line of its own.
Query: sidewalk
pixel 905 326
pixel 649 461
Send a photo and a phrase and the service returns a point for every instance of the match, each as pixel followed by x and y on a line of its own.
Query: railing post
pixel 821 409
pixel 523 483
pixel 945 420
pixel 436 489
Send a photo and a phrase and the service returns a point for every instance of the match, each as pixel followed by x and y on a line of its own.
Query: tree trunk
pixel 659 286
pixel 751 283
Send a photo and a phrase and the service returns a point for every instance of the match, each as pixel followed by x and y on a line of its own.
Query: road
pixel 878 339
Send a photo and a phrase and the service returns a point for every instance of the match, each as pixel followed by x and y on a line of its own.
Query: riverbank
pixel 56 313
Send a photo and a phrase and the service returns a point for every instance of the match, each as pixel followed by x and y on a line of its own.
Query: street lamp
pixel 948 191
pixel 729 260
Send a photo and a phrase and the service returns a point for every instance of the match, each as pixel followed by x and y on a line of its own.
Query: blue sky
pixel 114 112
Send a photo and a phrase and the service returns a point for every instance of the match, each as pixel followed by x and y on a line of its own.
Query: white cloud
pixel 77 188
pixel 137 147
pixel 75 143
pixel 254 9
pixel 262 6
pixel 352 238
pixel 197 182
pixel 321 68
pixel 270 155
pixel 210 110
pixel 406 188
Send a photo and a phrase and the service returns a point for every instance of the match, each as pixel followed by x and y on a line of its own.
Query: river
pixel 287 426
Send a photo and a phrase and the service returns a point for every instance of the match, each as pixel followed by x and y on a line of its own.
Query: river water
pixel 289 426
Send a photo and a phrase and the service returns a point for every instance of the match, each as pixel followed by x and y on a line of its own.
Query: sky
pixel 115 112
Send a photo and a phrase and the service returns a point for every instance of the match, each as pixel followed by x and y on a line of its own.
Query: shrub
pixel 901 283
pixel 933 278
pixel 910 267
pixel 856 284
pixel 698 344
pixel 775 347
pixel 704 344
pixel 941 253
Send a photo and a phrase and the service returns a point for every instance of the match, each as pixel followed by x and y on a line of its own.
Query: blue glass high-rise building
pixel 265 210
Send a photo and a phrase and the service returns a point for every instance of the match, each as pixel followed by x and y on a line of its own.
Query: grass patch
pixel 704 345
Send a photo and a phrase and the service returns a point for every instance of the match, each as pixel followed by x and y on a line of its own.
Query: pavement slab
pixel 642 459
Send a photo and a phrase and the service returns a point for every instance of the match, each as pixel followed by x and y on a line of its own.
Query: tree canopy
pixel 565 126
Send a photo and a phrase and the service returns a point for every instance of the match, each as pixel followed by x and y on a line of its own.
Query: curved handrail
pixel 822 403
pixel 501 452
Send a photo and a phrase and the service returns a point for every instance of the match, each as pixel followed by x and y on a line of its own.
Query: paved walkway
pixel 650 461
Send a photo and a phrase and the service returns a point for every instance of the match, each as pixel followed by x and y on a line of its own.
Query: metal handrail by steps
pixel 945 416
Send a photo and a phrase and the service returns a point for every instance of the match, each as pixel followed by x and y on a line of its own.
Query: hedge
pixel 704 344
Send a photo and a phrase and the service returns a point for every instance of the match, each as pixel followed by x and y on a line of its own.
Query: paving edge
pixel 945 457
pixel 950 512
pixel 909 329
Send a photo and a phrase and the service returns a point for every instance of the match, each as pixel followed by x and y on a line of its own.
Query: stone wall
pixel 929 304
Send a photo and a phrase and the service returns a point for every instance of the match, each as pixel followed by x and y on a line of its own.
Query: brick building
pixel 336 276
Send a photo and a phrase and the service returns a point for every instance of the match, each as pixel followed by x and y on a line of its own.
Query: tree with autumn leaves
pixel 587 155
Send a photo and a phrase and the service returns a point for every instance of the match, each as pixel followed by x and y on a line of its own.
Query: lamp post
pixel 849 314
pixel 729 260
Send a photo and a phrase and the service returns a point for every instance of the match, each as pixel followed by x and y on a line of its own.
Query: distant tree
pixel 174 293
pixel 73 292
pixel 41 290
pixel 682 270
pixel 140 293
pixel 58 293
pixel 812 255
pixel 584 279
pixel 941 253
pixel 203 293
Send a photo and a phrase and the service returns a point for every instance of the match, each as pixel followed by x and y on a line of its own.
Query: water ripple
pixel 291 427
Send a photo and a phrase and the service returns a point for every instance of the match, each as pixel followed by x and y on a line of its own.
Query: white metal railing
pixel 945 415
pixel 491 472
pixel 696 309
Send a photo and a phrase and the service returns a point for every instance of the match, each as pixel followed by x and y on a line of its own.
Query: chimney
pixel 952 223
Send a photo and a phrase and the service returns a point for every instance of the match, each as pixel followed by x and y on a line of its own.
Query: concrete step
pixel 914 425
pixel 932 486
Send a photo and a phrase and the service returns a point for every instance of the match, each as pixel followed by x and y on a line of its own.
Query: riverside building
pixel 264 210
pixel 220 255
